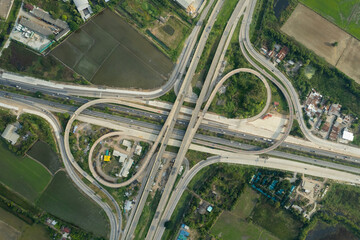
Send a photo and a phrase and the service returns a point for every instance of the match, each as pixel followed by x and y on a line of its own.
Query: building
pixel 106 158
pixel 138 150
pixel 209 208
pixel 127 144
pixel 282 54
pixel 349 136
pixel 40 29
pixel 127 205
pixel 312 103
pixel 122 156
pixel 124 172
pixel 10 133
pixel 61 27
pixel 84 8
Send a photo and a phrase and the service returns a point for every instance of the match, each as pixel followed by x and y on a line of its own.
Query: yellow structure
pixel 106 158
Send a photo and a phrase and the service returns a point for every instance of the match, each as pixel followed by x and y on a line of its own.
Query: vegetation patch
pixel 22 174
pixel 64 200
pixel 196 156
pixel 17 58
pixel 147 215
pixel 244 97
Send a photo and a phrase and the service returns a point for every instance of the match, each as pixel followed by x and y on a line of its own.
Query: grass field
pixel 345 14
pixel 277 221
pixel 232 225
pixel 171 33
pixel 44 154
pixel 64 200
pixel 12 228
pixel 108 51
pixel 23 175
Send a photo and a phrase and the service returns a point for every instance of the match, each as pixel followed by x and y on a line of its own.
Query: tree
pixel 334 44
pixel 168 224
pixel 64 17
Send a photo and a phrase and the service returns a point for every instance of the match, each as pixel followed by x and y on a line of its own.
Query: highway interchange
pixel 186 65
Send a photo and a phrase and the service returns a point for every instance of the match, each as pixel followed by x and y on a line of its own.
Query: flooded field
pixel 324 231
pixel 108 51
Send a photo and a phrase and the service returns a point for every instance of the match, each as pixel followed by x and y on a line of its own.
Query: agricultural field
pixel 345 14
pixel 63 199
pixel 13 228
pixel 22 174
pixel 108 51
pixel 324 38
pixel 232 225
pixel 43 153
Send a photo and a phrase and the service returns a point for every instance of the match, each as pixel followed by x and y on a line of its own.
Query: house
pixel 127 205
pixel 138 150
pixel 106 158
pixel 282 54
pixel 124 172
pixel 349 136
pixel 10 133
pixel 127 144
pixel 83 8
pixel 121 155
pixel 209 208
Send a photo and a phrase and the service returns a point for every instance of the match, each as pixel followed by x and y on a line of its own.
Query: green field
pixel 345 14
pixel 232 225
pixel 44 154
pixel 23 175
pixel 277 221
pixel 64 200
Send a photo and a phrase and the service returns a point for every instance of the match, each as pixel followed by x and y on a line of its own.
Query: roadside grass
pixel 64 200
pixel 214 38
pixel 43 153
pixel 22 174
pixel 178 215
pixel 343 13
pixel 278 96
pixel 146 216
pixel 276 220
pixel 195 156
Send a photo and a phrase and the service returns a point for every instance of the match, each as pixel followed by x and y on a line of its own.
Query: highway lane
pixel 178 134
pixel 190 132
pixel 244 39
pixel 213 127
pixel 32 108
pixel 174 113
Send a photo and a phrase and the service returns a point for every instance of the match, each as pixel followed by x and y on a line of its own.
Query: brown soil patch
pixel 318 34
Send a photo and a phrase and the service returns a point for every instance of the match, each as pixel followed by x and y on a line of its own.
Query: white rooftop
pixel 348 135
pixel 10 133
pixel 124 172
pixel 185 3
pixel 138 150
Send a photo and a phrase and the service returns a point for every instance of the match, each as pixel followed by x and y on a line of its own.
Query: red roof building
pixel 282 54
